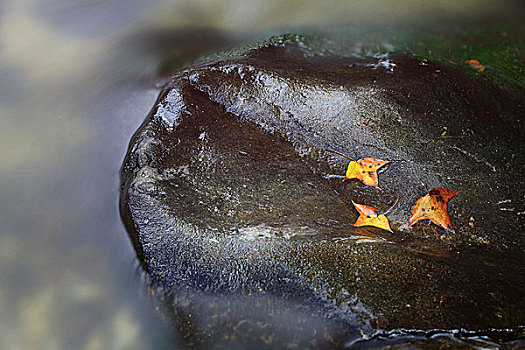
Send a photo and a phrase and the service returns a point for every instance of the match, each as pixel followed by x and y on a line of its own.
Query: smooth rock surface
pixel 240 218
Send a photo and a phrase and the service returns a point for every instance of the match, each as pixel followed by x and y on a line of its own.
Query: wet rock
pixel 234 205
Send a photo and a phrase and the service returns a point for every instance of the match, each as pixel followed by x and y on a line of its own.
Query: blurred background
pixel 76 80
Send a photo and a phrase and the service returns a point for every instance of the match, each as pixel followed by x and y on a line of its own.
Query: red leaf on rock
pixel 433 206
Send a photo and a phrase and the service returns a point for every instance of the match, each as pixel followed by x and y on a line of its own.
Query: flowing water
pixel 76 80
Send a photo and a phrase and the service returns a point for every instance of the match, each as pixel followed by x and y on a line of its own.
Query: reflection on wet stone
pixel 240 218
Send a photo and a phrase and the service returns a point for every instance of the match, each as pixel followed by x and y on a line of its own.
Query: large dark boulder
pixel 240 218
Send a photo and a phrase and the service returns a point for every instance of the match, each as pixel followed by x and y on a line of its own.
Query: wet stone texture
pixel 241 220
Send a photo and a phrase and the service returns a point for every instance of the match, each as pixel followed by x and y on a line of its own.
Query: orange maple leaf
pixel 365 169
pixel 368 216
pixel 433 206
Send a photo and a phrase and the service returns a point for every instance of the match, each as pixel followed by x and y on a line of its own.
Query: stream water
pixel 76 80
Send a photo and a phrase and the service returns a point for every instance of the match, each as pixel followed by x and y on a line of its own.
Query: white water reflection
pixel 76 80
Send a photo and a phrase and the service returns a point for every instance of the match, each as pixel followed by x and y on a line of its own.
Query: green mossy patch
pixel 500 49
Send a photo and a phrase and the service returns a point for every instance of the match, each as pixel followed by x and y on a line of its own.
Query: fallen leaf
pixel 433 206
pixel 365 170
pixel 368 216
pixel 476 65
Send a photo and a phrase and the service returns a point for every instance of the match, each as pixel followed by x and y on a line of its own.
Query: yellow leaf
pixel 368 217
pixel 365 170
